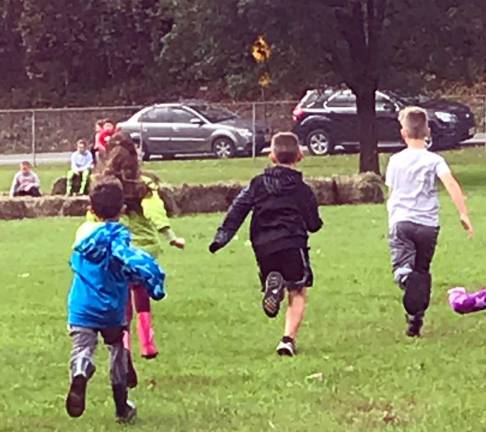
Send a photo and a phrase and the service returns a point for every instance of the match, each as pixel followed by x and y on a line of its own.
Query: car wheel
pixel 144 153
pixel 223 148
pixel 319 142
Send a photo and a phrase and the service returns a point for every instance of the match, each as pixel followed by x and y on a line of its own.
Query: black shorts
pixel 293 264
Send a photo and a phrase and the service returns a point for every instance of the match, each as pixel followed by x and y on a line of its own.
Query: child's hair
pixel 106 197
pixel 26 164
pixel 415 122
pixel 122 162
pixel 100 123
pixel 285 148
pixel 82 141
pixel 108 120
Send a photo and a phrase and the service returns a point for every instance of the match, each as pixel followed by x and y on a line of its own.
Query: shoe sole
pixel 284 352
pixel 274 286
pixel 150 356
pixel 129 418
pixel 76 399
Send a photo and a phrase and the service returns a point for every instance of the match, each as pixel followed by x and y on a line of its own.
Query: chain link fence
pixel 33 133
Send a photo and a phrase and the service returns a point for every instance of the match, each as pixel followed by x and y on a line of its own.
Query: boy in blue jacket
pixel 104 263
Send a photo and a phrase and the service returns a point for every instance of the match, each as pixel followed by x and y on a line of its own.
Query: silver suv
pixel 177 128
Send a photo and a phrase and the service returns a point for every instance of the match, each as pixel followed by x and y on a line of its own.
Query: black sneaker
pixel 274 294
pixel 286 347
pixel 76 398
pixel 415 323
pixel 129 415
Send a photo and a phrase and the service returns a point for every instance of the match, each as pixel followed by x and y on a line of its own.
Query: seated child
pixel 104 263
pixel 26 182
pixel 81 165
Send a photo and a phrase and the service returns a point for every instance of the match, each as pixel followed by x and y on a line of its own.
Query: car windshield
pixel 314 96
pixel 213 114
pixel 405 99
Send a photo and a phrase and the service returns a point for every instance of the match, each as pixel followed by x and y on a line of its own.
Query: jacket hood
pixel 96 243
pixel 279 180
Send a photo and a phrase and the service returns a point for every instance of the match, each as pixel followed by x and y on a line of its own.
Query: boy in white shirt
pixel 81 165
pixel 413 209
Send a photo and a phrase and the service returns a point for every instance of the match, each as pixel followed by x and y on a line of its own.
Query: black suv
pixel 324 120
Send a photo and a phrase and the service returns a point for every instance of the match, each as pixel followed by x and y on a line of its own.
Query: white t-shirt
pixel 412 176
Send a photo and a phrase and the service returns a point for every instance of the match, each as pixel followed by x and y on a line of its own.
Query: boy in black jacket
pixel 284 211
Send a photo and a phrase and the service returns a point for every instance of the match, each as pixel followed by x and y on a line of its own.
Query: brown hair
pixel 122 162
pixel 26 164
pixel 285 148
pixel 106 197
pixel 415 122
pixel 82 141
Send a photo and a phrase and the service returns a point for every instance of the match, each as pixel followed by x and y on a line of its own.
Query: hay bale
pixel 324 188
pixel 75 206
pixel 12 208
pixel 45 206
pixel 205 198
pixel 366 188
pixel 166 194
pixel 60 185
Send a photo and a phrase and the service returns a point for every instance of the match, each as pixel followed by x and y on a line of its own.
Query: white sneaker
pixel 286 349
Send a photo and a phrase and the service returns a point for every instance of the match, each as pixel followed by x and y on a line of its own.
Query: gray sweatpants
pixel 412 249
pixel 85 341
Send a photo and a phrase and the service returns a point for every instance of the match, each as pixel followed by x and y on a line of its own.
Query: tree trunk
pixel 368 155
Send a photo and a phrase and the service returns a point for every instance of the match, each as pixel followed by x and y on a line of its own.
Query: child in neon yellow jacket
pixel 146 218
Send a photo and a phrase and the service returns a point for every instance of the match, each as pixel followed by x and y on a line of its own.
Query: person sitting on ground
pixel 81 165
pixel 26 182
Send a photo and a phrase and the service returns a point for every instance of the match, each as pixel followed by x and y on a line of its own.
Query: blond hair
pixel 285 148
pixel 415 122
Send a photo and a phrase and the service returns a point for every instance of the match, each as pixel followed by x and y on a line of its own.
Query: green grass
pixel 468 163
pixel 218 371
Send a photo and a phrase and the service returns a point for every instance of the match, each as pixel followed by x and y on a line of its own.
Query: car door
pixel 190 131
pixel 341 108
pixel 387 124
pixel 156 130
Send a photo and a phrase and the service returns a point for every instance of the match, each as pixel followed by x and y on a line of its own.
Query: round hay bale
pixel 12 208
pixel 75 206
pixel 166 194
pixel 363 188
pixel 324 188
pixel 59 187
pixel 43 207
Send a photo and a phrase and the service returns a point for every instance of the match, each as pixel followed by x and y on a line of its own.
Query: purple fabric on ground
pixel 463 302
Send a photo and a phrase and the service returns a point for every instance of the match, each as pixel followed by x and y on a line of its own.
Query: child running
pixel 284 211
pixel 103 263
pixel 413 208
pixel 147 219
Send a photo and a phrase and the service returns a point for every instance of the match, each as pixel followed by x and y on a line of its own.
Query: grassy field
pixel 468 163
pixel 217 370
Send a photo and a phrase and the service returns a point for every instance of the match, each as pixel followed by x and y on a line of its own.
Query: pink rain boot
pixel 146 335
pixel 464 303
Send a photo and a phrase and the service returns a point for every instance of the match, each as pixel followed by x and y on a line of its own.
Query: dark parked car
pixel 324 120
pixel 192 128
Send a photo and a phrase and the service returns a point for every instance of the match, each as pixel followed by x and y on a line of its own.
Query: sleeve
pixel 154 210
pixel 14 186
pixel 312 218
pixel 140 267
pixel 237 213
pixel 442 167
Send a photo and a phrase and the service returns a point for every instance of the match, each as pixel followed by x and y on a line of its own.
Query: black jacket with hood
pixel 284 211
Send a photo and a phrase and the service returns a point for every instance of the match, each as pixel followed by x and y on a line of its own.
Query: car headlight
pixel 245 132
pixel 446 117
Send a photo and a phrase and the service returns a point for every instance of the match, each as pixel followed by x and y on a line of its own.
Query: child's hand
pixel 179 243
pixel 467 225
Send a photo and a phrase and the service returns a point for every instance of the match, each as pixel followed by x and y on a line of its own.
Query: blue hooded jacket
pixel 104 264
